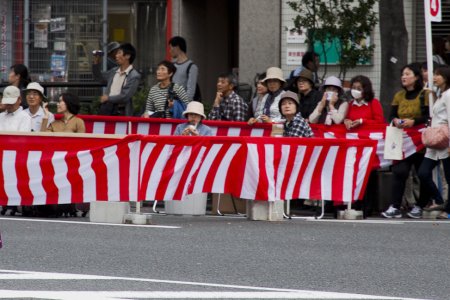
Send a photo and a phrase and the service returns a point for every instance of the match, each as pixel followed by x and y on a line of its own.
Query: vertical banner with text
pixel 5 38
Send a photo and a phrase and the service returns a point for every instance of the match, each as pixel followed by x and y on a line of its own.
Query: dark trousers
pixel 401 172
pixel 426 177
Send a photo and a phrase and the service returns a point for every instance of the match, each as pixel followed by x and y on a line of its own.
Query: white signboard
pixel 294 56
pixel 435 11
pixel 295 37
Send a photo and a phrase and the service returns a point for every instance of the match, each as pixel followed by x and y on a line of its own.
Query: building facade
pixel 56 38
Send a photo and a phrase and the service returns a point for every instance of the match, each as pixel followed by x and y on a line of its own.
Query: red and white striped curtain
pixel 58 170
pixel 122 125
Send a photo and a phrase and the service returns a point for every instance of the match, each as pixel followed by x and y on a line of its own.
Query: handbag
pixel 177 109
pixel 178 106
pixel 393 143
pixel 436 137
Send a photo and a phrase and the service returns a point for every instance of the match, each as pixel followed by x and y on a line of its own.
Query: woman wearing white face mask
pixel 364 108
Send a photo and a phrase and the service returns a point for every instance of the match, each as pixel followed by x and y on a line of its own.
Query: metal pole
pixel 429 47
pixel 105 32
pixel 26 33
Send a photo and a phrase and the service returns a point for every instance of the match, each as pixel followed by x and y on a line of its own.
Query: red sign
pixel 435 11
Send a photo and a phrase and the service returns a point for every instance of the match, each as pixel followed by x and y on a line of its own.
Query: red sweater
pixel 370 114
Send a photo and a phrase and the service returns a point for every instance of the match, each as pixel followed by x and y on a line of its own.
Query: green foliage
pixel 350 21
pixel 139 100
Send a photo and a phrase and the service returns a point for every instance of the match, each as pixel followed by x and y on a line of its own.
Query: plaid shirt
pixel 231 108
pixel 298 127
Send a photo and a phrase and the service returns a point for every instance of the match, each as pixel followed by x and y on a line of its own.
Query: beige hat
pixel 274 73
pixel 195 107
pixel 35 86
pixel 10 95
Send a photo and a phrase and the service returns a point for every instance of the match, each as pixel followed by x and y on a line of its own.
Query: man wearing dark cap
pixel 111 52
pixel 295 125
pixel 122 82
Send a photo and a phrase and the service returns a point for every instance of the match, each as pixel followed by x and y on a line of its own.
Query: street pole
pixel 429 48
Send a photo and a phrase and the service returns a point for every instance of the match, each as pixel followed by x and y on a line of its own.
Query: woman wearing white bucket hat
pixel 195 114
pixel 35 98
pixel 275 83
pixel 333 107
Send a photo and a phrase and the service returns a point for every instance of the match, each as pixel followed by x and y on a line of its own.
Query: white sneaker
pixel 392 212
pixel 415 212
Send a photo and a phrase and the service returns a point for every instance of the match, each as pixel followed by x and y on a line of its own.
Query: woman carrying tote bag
pixel 433 156
pixel 409 108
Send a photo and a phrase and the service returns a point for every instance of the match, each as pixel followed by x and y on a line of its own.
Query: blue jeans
pixel 426 177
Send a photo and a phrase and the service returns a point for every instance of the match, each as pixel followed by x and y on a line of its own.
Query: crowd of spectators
pixel 298 101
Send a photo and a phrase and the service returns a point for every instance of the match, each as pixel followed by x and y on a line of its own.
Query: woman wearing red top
pixel 364 108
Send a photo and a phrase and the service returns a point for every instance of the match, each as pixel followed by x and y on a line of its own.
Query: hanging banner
pixel 41 18
pixel 5 38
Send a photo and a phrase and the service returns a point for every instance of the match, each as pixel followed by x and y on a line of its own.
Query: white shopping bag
pixel 393 143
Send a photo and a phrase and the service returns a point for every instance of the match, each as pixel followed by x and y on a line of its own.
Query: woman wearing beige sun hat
pixel 194 114
pixel 275 83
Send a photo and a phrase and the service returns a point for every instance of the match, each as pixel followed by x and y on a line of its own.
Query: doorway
pixel 211 29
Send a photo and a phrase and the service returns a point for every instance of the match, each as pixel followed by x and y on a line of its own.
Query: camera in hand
pixel 98 53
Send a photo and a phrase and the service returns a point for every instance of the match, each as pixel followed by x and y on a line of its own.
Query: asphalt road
pixel 222 254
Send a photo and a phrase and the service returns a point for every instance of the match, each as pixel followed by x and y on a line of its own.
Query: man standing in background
pixel 122 82
pixel 187 72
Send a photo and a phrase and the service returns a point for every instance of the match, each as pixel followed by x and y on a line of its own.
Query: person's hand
pixel 218 99
pixel 252 121
pixel 46 111
pixel 323 102
pixel 348 124
pixel 170 102
pixel 145 115
pixel 190 130
pixel 407 123
pixel 397 122
pixel 356 123
pixel 266 119
pixel 103 98
pixel 96 59
pixel 334 99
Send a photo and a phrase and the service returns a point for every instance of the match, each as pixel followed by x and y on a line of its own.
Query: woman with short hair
pixel 364 108
pixel 295 125
pixel 69 106
pixel 159 99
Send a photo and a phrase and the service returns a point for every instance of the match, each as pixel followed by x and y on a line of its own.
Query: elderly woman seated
pixel 195 115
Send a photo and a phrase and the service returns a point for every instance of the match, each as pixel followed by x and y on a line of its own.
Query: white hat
pixel 333 81
pixel 34 86
pixel 10 95
pixel 195 107
pixel 274 73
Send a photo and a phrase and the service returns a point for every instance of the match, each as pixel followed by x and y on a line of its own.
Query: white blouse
pixel 441 113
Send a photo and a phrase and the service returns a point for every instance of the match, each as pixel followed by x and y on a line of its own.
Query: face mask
pixel 356 94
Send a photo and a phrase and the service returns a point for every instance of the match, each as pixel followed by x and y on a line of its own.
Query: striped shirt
pixel 157 97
